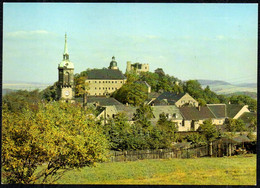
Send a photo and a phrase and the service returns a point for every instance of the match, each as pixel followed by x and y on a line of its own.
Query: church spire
pixel 65 54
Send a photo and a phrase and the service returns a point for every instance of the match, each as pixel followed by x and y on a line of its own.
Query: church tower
pixel 66 79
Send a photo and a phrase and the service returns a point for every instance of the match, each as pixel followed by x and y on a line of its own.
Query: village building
pixel 109 107
pixel 66 77
pixel 193 117
pixel 136 67
pixel 234 111
pixel 104 81
pixel 172 114
pixel 168 98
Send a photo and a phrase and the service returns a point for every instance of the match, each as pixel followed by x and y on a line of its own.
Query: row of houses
pixel 179 108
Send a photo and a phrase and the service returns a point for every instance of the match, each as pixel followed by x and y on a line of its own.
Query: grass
pixel 235 170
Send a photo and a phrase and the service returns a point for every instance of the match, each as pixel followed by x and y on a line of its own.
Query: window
pixel 108 81
pixel 109 88
pixel 99 93
pixel 103 81
pixel 112 82
pixel 88 81
pixel 95 88
pixel 116 88
pixel 115 81
pixel 112 88
pixel 103 88
pixel 121 82
pixel 99 88
pixel 99 81
pixel 95 81
pixel 95 94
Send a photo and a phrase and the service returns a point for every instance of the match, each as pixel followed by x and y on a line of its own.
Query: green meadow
pixel 235 170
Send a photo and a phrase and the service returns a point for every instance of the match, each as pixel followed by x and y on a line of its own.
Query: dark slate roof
pixel 247 116
pixel 153 95
pixel 103 101
pixel 171 98
pixel 106 74
pixel 219 110
pixel 233 109
pixel 192 113
pixel 127 110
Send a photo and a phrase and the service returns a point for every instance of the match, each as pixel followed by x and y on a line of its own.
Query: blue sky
pixel 189 41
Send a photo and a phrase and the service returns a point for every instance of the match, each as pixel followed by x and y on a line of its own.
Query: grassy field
pixel 235 170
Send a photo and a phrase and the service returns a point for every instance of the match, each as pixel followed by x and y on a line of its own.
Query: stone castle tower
pixel 66 79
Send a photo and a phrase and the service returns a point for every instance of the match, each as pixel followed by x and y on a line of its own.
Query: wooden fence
pixel 117 156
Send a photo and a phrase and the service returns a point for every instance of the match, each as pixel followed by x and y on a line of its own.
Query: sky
pixel 189 41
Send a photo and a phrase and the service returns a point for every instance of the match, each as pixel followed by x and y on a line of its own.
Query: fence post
pixel 210 149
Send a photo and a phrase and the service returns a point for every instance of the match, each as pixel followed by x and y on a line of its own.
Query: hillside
pixel 19 85
pixel 222 87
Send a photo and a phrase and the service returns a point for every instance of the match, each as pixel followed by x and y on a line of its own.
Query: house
pixel 168 98
pixel 172 114
pixel 108 107
pixel 234 111
pixel 194 116
pixel 105 81
pixel 220 113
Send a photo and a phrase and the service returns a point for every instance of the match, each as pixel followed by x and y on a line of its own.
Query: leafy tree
pixel 143 115
pixel 51 93
pixel 195 139
pixel 167 130
pixel 118 131
pixel 17 101
pixel 244 100
pixel 208 130
pixel 132 93
pixel 235 125
pixel 57 137
pixel 81 87
pixel 253 124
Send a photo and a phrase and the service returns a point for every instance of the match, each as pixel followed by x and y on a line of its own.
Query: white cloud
pixel 26 34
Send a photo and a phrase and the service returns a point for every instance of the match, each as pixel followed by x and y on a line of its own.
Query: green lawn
pixel 236 170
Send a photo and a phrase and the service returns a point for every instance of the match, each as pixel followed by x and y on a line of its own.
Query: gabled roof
pixel 233 109
pixel 103 101
pixel 169 109
pixel 127 110
pixel 247 116
pixel 171 98
pixel 219 110
pixel 193 113
pixel 106 74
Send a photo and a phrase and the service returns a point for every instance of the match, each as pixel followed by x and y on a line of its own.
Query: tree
pixel 57 137
pixel 244 100
pixel 167 130
pixel 143 115
pixel 235 125
pixel 208 130
pixel 132 93
pixel 118 131
pixel 81 87
pixel 51 93
pixel 17 101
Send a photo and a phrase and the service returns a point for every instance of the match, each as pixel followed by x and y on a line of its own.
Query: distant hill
pixel 250 94
pixel 213 82
pixel 222 87
pixel 20 85
pixel 253 85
